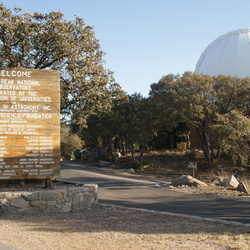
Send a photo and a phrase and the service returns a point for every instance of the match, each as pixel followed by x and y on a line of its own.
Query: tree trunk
pixel 203 132
pixel 112 149
pixel 123 148
pixel 98 150
pixel 141 156
pixel 132 150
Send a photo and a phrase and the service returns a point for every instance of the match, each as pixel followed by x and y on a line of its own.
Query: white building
pixel 229 54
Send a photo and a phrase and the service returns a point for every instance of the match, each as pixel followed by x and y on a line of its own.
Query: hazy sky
pixel 147 39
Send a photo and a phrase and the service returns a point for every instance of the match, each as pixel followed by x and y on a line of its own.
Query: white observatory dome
pixel 229 54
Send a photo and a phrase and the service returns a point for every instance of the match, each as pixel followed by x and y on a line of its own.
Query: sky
pixel 147 39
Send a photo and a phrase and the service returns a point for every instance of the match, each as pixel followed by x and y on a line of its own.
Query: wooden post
pixel 48 183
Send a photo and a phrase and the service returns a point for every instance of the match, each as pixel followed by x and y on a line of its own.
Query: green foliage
pixel 130 123
pixel 135 164
pixel 161 95
pixel 163 140
pixel 140 123
pixel 48 41
pixel 104 128
pixel 198 101
pixel 217 106
pixel 231 135
pixel 232 93
pixel 192 155
pixel 69 143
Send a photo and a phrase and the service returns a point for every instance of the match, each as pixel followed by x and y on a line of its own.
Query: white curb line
pixel 192 217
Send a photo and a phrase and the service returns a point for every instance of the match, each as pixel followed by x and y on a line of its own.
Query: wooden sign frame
pixel 29 124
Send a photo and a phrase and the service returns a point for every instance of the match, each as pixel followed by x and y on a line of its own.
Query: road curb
pixel 192 217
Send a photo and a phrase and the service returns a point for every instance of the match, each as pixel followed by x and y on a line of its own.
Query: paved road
pixel 121 188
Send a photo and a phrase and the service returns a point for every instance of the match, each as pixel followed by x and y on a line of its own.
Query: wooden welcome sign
pixel 29 124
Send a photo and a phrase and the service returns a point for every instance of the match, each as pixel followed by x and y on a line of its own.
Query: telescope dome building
pixel 229 54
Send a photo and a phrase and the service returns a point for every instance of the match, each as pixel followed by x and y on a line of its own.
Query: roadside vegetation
pixel 216 107
pixel 97 113
pixel 129 131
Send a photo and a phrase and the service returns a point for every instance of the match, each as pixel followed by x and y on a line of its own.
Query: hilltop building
pixel 229 54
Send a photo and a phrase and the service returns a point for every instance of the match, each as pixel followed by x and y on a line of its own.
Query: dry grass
pixel 170 164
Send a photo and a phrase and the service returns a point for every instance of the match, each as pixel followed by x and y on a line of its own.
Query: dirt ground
pixel 112 228
pixel 170 164
pixel 103 227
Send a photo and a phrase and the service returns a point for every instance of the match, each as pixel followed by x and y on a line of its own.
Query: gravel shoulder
pixel 104 227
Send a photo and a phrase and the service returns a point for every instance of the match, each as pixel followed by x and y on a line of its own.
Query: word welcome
pixel 15 73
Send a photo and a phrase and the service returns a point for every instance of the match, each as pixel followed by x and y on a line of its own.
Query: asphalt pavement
pixel 117 187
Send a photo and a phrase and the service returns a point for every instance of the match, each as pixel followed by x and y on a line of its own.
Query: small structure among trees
pixel 216 107
pixel 211 105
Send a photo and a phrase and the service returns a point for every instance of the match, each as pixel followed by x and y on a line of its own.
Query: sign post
pixel 29 124
pixel 193 166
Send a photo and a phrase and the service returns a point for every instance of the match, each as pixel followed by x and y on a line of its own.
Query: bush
pixel 192 155
pixel 69 143
pixel 231 134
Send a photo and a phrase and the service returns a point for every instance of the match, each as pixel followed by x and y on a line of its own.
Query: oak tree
pixel 205 103
pixel 48 41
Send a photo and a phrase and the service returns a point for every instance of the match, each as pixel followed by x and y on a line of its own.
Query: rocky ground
pixel 170 164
